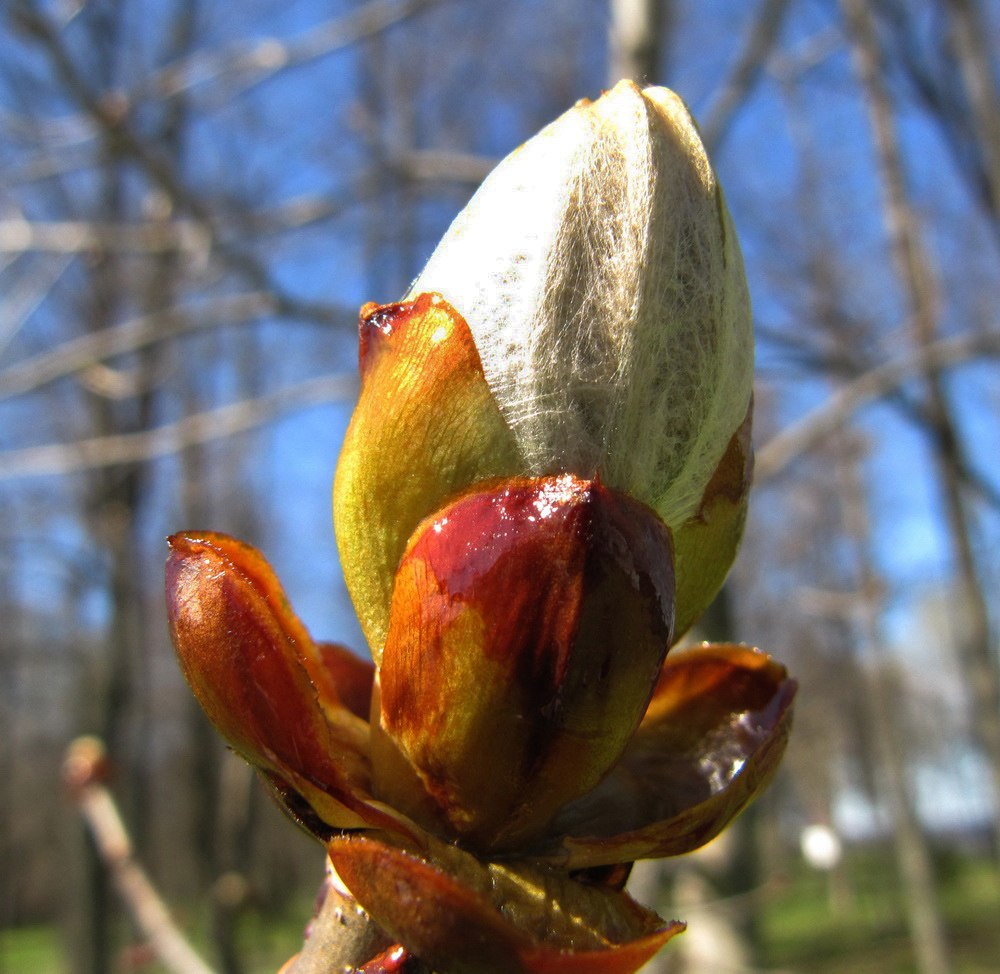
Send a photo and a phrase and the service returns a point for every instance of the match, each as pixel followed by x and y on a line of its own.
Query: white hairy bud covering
pixel 602 280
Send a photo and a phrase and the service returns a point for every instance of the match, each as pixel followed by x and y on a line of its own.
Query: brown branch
pixel 24 296
pixel 83 772
pixel 130 336
pixel 978 660
pixel 268 56
pixel 635 40
pixel 341 937
pixel 109 113
pixel 760 40
pixel 107 451
pixel 805 434
pixel 426 165
pixel 972 47
pixel 79 236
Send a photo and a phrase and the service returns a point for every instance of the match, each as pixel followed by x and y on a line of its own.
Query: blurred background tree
pixel 196 198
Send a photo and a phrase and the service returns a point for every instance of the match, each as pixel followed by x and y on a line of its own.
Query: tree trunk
pixel 970 37
pixel 913 858
pixel 979 665
pixel 635 43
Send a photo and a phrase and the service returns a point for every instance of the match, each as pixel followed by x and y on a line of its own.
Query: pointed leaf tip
pixel 425 427
pixel 251 664
pixel 529 621
pixel 465 917
pixel 710 742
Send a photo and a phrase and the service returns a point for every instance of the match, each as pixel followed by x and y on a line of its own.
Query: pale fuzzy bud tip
pixel 600 275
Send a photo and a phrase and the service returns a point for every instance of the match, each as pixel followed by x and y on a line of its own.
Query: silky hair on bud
pixel 603 283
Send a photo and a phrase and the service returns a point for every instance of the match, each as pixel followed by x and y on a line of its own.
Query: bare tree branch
pixel 341 937
pixel 192 237
pixel 213 424
pixel 735 89
pixel 781 450
pixel 266 57
pixel 77 236
pixel 429 166
pixel 110 115
pixel 48 164
pixel 980 83
pixel 978 660
pixel 790 65
pixel 26 295
pixel 635 40
pixel 130 336
pixel 940 88
pixel 82 771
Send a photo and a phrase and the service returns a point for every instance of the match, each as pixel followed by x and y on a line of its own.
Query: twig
pixel 341 937
pixel 19 236
pixel 109 114
pixel 258 61
pixel 108 451
pixel 973 49
pixel 802 436
pixel 760 40
pixel 919 287
pixel 83 772
pixel 130 336
pixel 635 40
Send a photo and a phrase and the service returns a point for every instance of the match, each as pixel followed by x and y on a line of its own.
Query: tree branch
pixel 110 115
pixel 108 451
pixel 130 336
pixel 427 165
pixel 341 937
pixel 635 40
pixel 972 46
pixel 266 57
pixel 759 41
pixel 775 456
pixel 79 236
pixel 83 771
